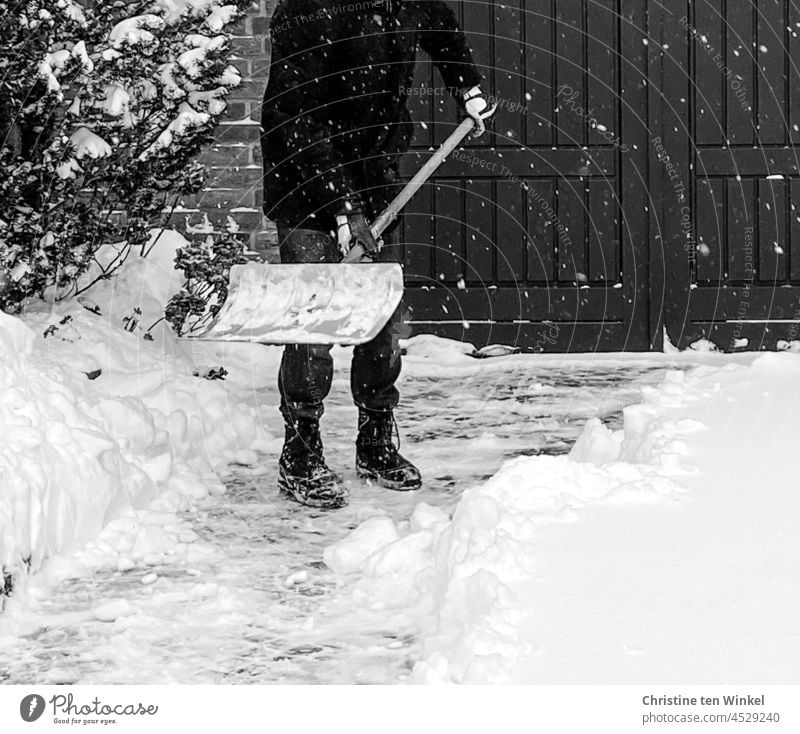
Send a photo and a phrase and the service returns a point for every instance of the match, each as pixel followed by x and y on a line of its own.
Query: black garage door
pixel 641 174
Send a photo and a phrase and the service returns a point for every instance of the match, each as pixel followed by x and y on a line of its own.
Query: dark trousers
pixel 306 370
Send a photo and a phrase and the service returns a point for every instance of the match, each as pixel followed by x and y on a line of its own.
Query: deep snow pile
pixel 105 435
pixel 539 575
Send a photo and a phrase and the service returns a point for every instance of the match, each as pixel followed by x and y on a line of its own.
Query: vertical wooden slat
pixel 793 51
pixel 510 231
pixel 538 82
pixel 709 82
pixel 741 230
pixel 602 59
pixel 478 24
pixel 443 108
pixel 711 230
pixel 419 105
pixel 443 111
pixel 636 132
pixel 740 87
pixel 604 242
pixel 571 231
pixel 449 231
pixel 570 78
pixel 479 212
pixel 418 236
pixel 794 230
pixel 673 126
pixel 508 57
pixel 540 202
pixel 772 243
pixel 771 67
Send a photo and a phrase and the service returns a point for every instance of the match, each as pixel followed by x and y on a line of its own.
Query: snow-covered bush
pixel 103 109
pixel 106 437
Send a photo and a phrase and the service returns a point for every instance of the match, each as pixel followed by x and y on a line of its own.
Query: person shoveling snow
pixel 334 124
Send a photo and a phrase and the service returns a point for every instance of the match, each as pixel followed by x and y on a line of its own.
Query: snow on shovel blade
pixel 307 304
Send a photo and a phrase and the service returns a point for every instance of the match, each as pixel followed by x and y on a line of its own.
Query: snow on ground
pixel 662 551
pixel 106 436
pixel 585 518
pixel 250 599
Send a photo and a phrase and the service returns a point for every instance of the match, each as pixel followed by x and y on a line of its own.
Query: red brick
pixel 242 27
pixel 248 46
pixel 259 68
pixel 226 199
pixel 227 155
pixel 236 111
pixel 242 65
pixel 248 221
pixel 237 133
pixel 250 90
pixel 234 177
pixel 176 219
pixel 260 26
pixel 267 249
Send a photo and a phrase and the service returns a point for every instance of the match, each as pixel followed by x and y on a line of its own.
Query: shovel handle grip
pixel 414 185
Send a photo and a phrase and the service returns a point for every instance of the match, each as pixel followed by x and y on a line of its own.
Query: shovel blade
pixel 316 303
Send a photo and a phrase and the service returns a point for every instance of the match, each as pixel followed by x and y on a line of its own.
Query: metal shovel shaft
pixel 416 182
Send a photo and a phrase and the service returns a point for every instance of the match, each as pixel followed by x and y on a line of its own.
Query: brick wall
pixel 232 197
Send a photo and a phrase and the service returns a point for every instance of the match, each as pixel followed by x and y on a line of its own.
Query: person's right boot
pixel 303 474
pixel 377 458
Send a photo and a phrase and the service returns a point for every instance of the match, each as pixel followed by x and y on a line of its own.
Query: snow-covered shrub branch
pixel 103 110
pixel 206 267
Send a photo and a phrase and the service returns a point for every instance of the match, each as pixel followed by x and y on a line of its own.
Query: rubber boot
pixel 377 458
pixel 303 474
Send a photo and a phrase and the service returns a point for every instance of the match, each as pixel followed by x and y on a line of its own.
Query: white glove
pixel 476 106
pixel 343 233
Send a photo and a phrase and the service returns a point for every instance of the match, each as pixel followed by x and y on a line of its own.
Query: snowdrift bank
pixel 106 435
pixel 486 587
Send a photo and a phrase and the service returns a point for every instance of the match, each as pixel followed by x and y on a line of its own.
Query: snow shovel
pixel 321 303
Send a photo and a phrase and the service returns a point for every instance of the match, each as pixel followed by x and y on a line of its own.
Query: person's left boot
pixel 377 458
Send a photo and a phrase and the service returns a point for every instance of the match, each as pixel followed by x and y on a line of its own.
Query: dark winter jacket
pixel 334 116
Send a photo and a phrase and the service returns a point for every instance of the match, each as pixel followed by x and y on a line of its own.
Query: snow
pixel 133 31
pixel 187 118
pixel 350 554
pixel 703 345
pixel 87 143
pixel 220 609
pixel 116 101
pixel 439 351
pixel 661 551
pixel 106 435
pixel 585 518
pixel 218 15
pixel 73 11
pixel 193 59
